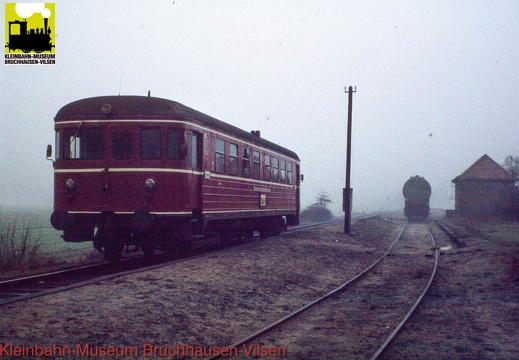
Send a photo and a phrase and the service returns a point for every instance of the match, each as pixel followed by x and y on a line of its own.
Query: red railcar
pixel 157 174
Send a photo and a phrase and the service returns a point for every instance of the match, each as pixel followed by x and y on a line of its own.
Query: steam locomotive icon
pixel 37 40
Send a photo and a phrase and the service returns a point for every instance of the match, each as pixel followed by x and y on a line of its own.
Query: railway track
pixel 28 287
pixel 386 293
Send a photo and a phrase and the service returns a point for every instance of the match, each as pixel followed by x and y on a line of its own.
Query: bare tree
pixel 318 211
pixel 512 164
pixel 322 200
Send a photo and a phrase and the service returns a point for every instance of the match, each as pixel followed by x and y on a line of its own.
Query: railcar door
pixel 194 163
pixel 119 187
pixel 84 153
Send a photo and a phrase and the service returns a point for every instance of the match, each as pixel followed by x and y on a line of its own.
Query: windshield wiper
pixel 77 133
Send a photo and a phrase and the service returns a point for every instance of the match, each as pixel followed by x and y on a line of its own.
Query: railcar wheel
pixel 185 248
pixel 178 249
pixel 110 240
pixel 169 251
pixel 148 249
pixel 113 251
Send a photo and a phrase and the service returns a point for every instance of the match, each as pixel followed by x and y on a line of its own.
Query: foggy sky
pixel 437 85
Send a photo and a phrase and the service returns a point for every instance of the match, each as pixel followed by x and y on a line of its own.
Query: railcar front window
pixel 84 144
pixel 275 165
pixel 289 173
pixel 150 144
pixel 122 145
pixel 175 139
pixel 220 156
pixel 283 171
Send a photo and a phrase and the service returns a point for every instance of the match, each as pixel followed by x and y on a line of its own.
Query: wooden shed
pixel 484 189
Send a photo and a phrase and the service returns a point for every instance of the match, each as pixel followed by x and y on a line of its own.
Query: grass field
pixel 38 221
pixel 50 251
pixel 51 243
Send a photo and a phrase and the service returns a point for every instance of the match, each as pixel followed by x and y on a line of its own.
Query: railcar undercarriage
pixel 111 233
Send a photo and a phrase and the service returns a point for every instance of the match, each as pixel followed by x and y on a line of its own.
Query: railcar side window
pixel 233 152
pixel 220 156
pixel 122 146
pixel 175 139
pixel 246 163
pixel 275 165
pixel 150 144
pixel 289 173
pixel 267 167
pixel 192 153
pixel 283 171
pixel 256 165
pixel 84 144
pixel 57 153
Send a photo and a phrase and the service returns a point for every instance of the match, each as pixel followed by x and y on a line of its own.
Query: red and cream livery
pixel 157 174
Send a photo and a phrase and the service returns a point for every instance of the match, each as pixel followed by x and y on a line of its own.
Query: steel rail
pixel 42 276
pixel 33 286
pixel 414 306
pixel 28 287
pixel 328 222
pixel 337 290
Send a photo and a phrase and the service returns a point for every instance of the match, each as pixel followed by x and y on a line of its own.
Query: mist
pixel 436 85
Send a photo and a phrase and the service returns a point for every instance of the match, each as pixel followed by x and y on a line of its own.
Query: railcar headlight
pixel 106 109
pixel 149 184
pixel 70 184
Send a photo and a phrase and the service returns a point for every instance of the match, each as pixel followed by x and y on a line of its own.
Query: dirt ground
pixel 202 304
pixel 472 311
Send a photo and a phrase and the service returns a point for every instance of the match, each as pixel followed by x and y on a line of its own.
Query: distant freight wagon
pixel 417 192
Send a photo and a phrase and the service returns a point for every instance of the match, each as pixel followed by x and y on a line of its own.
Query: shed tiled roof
pixel 484 169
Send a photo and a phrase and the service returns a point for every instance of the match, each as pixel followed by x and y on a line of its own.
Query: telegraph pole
pixel 347 192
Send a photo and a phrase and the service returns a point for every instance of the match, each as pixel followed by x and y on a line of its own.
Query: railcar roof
pixel 143 107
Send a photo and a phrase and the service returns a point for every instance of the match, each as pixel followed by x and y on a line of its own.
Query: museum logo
pixel 30 34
